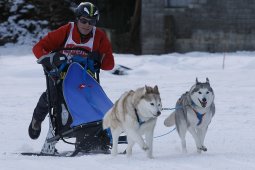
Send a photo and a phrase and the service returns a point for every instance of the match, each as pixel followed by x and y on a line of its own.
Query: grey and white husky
pixel 134 113
pixel 194 112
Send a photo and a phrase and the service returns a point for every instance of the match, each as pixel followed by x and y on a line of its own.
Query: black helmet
pixel 87 9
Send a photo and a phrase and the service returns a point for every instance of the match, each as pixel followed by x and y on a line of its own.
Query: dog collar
pixel 138 119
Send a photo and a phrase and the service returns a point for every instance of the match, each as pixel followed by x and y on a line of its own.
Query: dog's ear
pixel 207 80
pixel 146 89
pixel 197 81
pixel 155 89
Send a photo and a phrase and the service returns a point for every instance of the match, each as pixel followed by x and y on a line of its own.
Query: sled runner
pixel 78 108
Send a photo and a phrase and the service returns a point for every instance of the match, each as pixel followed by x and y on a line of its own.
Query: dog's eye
pixel 159 104
pixel 152 104
pixel 199 92
pixel 207 92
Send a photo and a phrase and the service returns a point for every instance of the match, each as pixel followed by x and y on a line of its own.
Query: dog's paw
pixel 203 148
pixel 145 147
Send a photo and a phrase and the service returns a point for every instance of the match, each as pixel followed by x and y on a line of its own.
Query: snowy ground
pixel 230 138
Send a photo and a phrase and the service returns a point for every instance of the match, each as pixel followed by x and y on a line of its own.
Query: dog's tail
pixel 170 120
pixel 107 120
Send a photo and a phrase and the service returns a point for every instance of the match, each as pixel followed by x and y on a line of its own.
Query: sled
pixel 83 104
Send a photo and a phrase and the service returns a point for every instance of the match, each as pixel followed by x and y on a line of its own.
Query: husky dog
pixel 134 113
pixel 194 112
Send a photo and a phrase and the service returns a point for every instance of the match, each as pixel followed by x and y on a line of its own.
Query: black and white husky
pixel 134 113
pixel 194 112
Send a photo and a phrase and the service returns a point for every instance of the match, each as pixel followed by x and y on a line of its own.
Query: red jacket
pixel 56 40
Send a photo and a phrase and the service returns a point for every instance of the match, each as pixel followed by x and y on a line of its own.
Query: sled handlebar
pixel 69 49
pixel 92 62
pixel 90 53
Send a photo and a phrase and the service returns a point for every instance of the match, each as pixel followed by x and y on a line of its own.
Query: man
pixel 82 34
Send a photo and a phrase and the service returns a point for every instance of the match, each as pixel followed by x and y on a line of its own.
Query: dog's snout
pixel 204 99
pixel 158 113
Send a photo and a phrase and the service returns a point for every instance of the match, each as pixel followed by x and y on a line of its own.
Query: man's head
pixel 87 16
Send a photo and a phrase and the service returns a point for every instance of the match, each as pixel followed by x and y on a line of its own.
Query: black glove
pixel 97 65
pixel 96 57
pixel 52 60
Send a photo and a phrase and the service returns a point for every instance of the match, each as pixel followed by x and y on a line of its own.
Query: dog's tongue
pixel 203 104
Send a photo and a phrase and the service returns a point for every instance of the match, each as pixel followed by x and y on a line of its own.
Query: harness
pixel 179 106
pixel 138 119
pixel 199 116
pixel 140 122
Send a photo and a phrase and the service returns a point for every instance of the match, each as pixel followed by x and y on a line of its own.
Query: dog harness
pixel 139 120
pixel 199 116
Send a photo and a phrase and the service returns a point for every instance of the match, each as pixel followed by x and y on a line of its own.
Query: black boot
pixel 34 129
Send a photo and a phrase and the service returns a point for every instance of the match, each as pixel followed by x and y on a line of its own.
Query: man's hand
pixel 96 58
pixel 52 60
pixel 94 55
pixel 97 65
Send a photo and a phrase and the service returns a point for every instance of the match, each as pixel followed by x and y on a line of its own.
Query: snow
pixel 230 138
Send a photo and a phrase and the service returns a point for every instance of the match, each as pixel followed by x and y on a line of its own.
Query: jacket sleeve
pixel 105 49
pixel 52 41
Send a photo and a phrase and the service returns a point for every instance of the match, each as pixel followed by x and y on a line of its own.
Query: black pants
pixel 56 97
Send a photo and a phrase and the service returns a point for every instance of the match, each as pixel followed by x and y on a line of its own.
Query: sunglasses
pixel 90 22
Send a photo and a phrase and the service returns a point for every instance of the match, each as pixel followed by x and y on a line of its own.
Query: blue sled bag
pixel 85 98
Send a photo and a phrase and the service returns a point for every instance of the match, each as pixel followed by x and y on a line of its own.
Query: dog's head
pixel 202 94
pixel 149 102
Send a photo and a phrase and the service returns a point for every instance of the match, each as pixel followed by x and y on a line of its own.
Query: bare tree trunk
pixel 134 42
